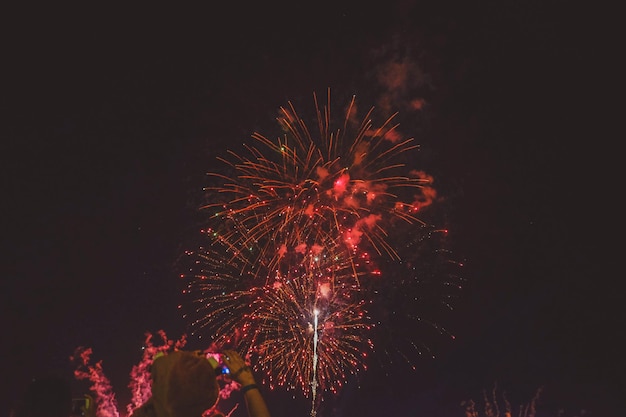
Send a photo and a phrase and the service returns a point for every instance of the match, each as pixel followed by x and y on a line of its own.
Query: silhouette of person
pixel 184 384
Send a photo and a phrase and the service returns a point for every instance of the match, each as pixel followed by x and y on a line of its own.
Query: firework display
pixel 301 240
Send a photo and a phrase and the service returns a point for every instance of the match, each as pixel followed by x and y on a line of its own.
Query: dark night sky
pixel 113 115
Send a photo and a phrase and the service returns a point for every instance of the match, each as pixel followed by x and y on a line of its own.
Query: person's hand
pixel 242 373
pixel 239 371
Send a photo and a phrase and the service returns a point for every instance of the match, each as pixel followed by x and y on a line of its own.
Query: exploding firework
pixel 303 188
pixel 288 273
pixel 274 318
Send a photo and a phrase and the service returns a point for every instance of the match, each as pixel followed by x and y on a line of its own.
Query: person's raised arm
pixel 242 373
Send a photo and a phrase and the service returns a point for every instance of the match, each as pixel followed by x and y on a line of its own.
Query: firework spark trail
pixel 291 232
pixel 314 365
pixel 106 402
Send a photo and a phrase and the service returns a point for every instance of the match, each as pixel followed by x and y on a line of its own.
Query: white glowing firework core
pixel 314 380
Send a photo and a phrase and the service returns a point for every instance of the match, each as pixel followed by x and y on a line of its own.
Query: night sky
pixel 113 116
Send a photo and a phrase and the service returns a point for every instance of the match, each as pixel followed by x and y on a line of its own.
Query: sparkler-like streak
pixel 288 273
pixel 314 366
